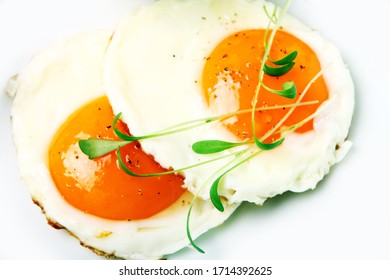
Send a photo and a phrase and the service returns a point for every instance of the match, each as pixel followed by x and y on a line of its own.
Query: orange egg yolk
pixel 99 186
pixel 235 63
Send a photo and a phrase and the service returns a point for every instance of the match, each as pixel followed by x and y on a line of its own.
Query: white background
pixel 346 217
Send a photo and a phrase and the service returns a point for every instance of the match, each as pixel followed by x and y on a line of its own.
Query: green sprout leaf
pixel 214 196
pixel 284 65
pixel 278 71
pixel 213 146
pixel 95 148
pixel 285 60
pixel 270 146
pixel 288 90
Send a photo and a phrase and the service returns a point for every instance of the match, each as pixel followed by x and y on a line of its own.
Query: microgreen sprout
pixel 214 194
pixel 287 89
pixel 249 148
pixel 95 147
pixel 214 197
pixel 284 65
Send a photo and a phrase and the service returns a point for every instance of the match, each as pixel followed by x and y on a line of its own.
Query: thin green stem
pixel 129 172
pixel 198 122
pixel 288 114
pixel 188 230
pixel 266 54
pixel 196 195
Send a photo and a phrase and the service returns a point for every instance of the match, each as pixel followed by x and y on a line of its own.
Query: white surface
pixel 346 217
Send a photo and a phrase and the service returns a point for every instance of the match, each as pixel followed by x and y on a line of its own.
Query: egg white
pixel 152 74
pixel 55 83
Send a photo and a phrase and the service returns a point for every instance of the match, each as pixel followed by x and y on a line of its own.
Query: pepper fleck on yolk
pixel 99 186
pixel 234 66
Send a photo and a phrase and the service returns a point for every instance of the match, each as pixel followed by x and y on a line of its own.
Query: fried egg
pixel 173 62
pixel 60 100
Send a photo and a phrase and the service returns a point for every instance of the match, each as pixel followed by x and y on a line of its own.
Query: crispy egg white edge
pixel 55 83
pixel 174 62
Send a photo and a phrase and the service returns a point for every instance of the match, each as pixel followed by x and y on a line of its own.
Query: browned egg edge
pixel 58 226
